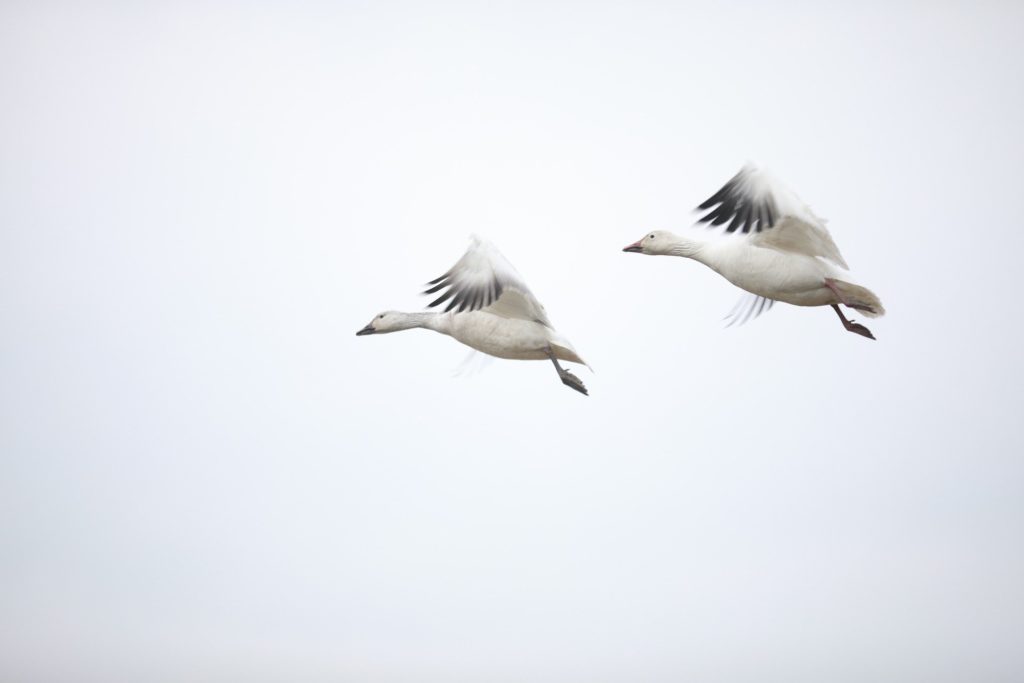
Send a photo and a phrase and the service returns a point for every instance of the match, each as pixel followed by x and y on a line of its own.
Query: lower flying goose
pixel 489 309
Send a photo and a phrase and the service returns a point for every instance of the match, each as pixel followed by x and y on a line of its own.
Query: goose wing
pixel 748 307
pixel 770 215
pixel 483 279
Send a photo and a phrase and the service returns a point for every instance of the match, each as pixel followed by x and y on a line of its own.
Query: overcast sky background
pixel 206 476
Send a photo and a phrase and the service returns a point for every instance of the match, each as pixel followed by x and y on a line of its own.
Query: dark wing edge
pixel 464 296
pixel 735 202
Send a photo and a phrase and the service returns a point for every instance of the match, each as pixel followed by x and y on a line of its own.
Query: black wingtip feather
pixel 436 287
pixel 460 298
pixel 439 300
pixel 737 221
pixel 733 204
pixel 458 302
pixel 436 280
pixel 716 198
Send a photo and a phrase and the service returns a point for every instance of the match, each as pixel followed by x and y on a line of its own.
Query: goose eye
pixel 381 316
pixel 651 236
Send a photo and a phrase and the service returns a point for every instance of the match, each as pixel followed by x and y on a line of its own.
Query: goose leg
pixel 831 284
pixel 568 379
pixel 852 326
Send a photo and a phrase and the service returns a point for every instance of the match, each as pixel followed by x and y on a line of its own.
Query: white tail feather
pixel 860 299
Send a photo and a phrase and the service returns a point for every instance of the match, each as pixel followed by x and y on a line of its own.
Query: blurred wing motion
pixel 474 363
pixel 747 308
pixel 770 215
pixel 483 279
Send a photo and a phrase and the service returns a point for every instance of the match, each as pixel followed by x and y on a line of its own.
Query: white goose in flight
pixel 783 252
pixel 491 310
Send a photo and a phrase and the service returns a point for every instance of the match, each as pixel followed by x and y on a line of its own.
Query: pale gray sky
pixel 206 476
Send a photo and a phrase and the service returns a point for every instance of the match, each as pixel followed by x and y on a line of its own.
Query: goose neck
pixel 428 320
pixel 687 248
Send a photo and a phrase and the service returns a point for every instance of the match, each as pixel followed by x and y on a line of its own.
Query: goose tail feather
pixel 860 299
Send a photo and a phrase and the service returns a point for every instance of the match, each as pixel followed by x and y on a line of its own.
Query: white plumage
pixel 775 248
pixel 488 308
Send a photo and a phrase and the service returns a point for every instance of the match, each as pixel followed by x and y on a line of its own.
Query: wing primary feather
pixel 436 287
pixel 748 312
pixel 480 280
pixel 723 213
pixel 747 206
pixel 456 301
pixel 737 221
pixel 747 218
pixel 436 280
pixel 711 215
pixel 466 301
pixel 469 299
pixel 716 198
pixel 741 314
pixel 770 211
pixel 439 300
pixel 748 307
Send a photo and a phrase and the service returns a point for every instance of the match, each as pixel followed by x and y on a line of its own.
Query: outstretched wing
pixel 756 204
pixel 746 202
pixel 747 308
pixel 483 279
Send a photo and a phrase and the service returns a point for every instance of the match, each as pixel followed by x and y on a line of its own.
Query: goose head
pixel 653 243
pixel 382 323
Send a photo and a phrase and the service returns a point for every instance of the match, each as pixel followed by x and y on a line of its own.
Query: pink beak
pixel 635 247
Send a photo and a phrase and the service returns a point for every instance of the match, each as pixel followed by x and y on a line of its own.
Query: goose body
pixel 792 278
pixel 774 248
pixel 489 309
pixel 509 338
